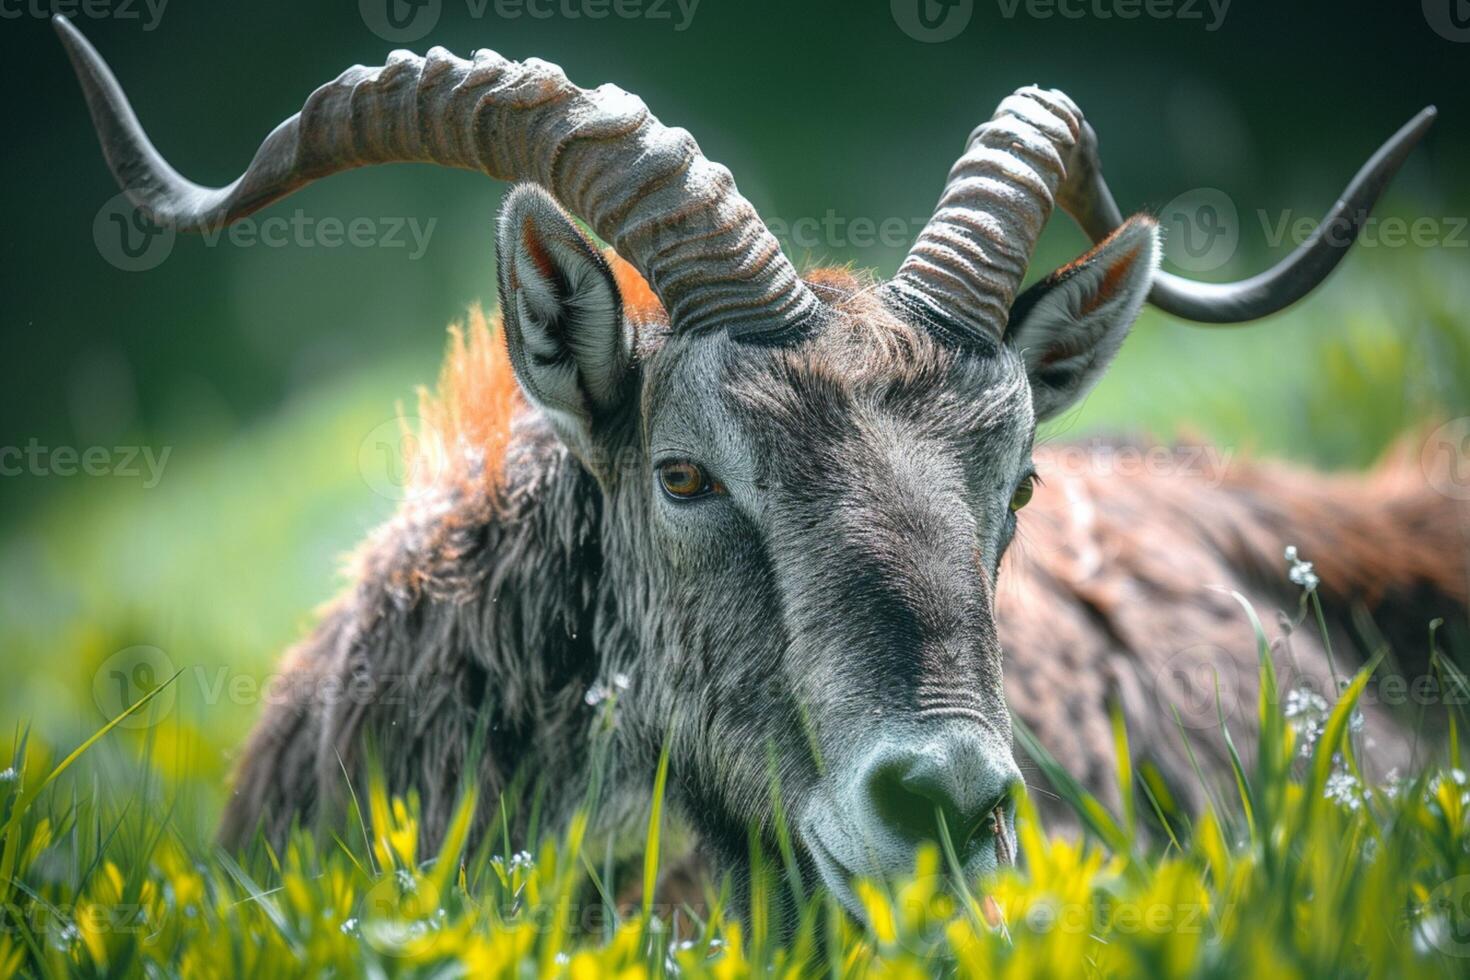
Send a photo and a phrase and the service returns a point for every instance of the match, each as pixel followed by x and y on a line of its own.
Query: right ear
pixel 1068 326
pixel 563 316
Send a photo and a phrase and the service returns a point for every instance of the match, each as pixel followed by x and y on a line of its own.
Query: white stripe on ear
pixel 563 313
pixel 1068 326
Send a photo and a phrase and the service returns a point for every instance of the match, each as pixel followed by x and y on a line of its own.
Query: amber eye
pixel 683 480
pixel 1023 493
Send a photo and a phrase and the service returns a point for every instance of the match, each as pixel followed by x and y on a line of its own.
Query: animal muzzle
pixel 921 785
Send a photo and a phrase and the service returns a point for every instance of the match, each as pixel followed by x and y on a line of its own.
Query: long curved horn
pixel 1087 199
pixel 644 188
pixel 968 262
pixel 1037 151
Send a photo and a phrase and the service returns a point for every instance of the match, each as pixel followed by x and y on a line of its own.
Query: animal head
pixel 815 526
pixel 807 484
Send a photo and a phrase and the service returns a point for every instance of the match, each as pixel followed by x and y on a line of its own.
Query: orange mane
pixel 639 303
pixel 464 423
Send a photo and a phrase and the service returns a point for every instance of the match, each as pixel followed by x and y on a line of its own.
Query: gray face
pixel 801 537
pixel 824 618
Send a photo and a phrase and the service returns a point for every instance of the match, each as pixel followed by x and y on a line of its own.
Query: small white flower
pixel 8 775
pixel 1306 713
pixel 1303 702
pixel 1343 788
pixel 1309 735
pixel 1300 572
pixel 600 692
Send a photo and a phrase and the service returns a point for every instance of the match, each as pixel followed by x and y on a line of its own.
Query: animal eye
pixel 1023 493
pixel 683 480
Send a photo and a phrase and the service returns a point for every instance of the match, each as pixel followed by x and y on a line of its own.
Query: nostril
pixel 910 794
pixel 930 783
pixel 905 805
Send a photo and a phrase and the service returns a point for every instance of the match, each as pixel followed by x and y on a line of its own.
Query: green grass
pixel 109 869
pixel 1287 878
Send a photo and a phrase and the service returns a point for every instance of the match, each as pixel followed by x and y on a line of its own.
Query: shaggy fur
pixel 1119 588
pixel 509 584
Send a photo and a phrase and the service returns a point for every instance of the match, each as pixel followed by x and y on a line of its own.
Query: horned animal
pixel 772 514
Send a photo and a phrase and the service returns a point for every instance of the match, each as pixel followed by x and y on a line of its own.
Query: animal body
pixel 783 518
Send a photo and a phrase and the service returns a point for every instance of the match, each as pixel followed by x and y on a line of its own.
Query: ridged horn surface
pixel 643 187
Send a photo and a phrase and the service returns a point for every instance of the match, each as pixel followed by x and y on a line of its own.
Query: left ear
pixel 563 319
pixel 1068 326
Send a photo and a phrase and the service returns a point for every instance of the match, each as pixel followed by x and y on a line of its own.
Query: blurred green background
pixel 267 373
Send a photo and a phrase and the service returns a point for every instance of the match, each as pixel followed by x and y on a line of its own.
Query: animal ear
pixel 563 315
pixel 1068 326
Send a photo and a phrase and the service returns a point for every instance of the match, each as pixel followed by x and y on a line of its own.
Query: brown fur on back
pixel 1118 590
